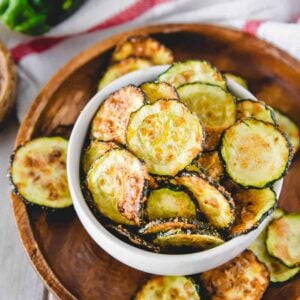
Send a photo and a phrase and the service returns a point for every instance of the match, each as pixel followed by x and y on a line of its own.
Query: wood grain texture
pixel 69 262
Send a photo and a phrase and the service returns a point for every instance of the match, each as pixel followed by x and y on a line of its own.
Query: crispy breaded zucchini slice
pixel 167 202
pixel 212 164
pixel 93 151
pixel 283 239
pixel 238 79
pixel 117 182
pixel 38 172
pixel 158 90
pixel 111 119
pixel 214 106
pixel 251 208
pixel 166 135
pixel 255 153
pixel 131 237
pixel 167 288
pixel 163 225
pixel 287 125
pixel 278 271
pixel 121 68
pixel 244 277
pixel 200 239
pixel 214 202
pixel 143 46
pixel 191 71
pixel 249 108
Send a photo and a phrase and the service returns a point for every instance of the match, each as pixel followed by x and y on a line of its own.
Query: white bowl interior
pixel 161 264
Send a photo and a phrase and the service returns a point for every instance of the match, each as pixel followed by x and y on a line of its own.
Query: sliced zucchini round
pixel 256 154
pixel 249 108
pixel 278 271
pixel 167 288
pixel 38 172
pixel 239 80
pixel 287 125
pixel 93 151
pixel 121 68
pixel 252 206
pixel 110 121
pixel 166 135
pixel 191 71
pixel 214 106
pixel 143 46
pixel 117 182
pixel 168 203
pixel 244 277
pixel 158 90
pixel 200 239
pixel 283 239
pixel 214 202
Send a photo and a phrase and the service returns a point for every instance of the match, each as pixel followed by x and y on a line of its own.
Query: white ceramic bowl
pixel 162 264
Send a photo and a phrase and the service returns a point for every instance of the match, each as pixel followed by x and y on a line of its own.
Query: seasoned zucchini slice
pixel 131 237
pixel 167 203
pixel 214 107
pixel 283 239
pixel 111 119
pixel 93 151
pixel 121 68
pixel 200 239
pixel 212 164
pixel 251 208
pixel 244 277
pixel 278 271
pixel 143 46
pixel 239 80
pixel 167 288
pixel 117 182
pixel 249 108
pixel 214 202
pixel 255 153
pixel 158 90
pixel 166 135
pixel 38 172
pixel 192 71
pixel 288 126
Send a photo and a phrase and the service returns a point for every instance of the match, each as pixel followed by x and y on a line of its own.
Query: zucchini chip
pixel 93 151
pixel 192 71
pixel 168 203
pixel 38 172
pixel 166 135
pixel 111 119
pixel 117 183
pixel 278 271
pixel 251 208
pixel 288 126
pixel 158 90
pixel 131 237
pixel 200 239
pixel 121 68
pixel 163 225
pixel 237 79
pixel 256 154
pixel 283 239
pixel 143 46
pixel 212 164
pixel 258 110
pixel 214 106
pixel 244 277
pixel 167 288
pixel 214 202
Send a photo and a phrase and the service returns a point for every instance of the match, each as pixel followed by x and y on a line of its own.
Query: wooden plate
pixel 69 262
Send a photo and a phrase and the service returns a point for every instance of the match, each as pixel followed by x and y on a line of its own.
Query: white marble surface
pixel 18 280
